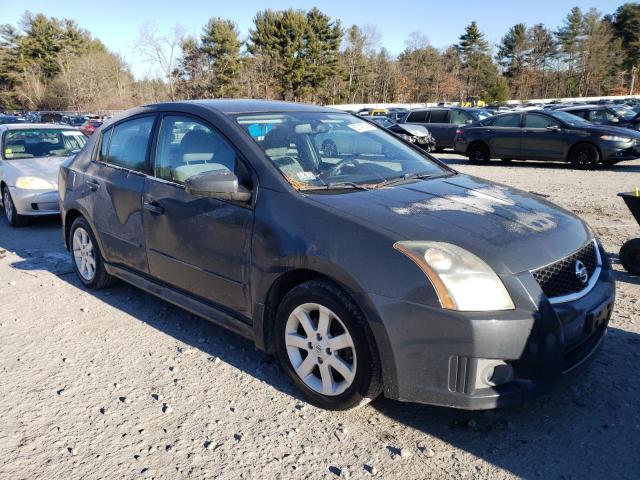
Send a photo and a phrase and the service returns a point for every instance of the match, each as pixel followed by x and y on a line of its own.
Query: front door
pixel 114 185
pixel 199 245
pixel 543 138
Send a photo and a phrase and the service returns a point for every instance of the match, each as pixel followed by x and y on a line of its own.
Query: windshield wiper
pixel 403 178
pixel 335 186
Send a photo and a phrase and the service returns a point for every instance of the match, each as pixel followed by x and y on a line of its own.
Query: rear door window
pixel 439 116
pixel 512 121
pixel 419 116
pixel 129 143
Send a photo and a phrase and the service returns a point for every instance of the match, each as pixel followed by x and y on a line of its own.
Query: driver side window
pixel 188 147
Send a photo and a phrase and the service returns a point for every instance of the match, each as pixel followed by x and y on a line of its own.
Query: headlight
pixel 462 281
pixel 616 138
pixel 34 183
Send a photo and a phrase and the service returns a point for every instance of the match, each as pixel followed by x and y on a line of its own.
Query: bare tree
pixel 161 52
pixel 31 87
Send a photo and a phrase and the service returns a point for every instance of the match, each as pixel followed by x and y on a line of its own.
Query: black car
pixel 614 115
pixel 442 122
pixel 547 135
pixel 377 270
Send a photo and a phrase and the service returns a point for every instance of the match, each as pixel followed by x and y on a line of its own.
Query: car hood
pixel 511 230
pixel 42 167
pixel 611 130
pixel 415 130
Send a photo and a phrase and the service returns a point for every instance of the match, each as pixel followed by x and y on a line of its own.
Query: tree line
pixel 50 63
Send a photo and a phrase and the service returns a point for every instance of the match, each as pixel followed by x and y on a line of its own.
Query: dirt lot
pixel 119 384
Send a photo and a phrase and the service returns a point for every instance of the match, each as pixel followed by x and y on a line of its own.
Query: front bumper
pixel 612 151
pixel 437 354
pixel 35 202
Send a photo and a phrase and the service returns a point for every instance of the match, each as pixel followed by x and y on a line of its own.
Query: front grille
pixel 559 278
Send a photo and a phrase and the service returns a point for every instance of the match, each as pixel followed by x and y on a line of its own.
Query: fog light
pixel 491 373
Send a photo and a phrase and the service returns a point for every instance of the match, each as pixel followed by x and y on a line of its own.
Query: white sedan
pixel 30 158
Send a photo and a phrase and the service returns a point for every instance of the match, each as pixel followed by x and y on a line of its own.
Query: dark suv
pixel 614 115
pixel 375 270
pixel 442 122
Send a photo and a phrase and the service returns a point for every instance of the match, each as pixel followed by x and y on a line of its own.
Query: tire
pixel 86 253
pixel 479 154
pixel 10 213
pixel 330 149
pixel 630 256
pixel 584 156
pixel 318 356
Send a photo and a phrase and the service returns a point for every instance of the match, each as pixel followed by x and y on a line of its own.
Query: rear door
pixel 505 136
pixel 197 244
pixel 544 138
pixel 440 127
pixel 114 183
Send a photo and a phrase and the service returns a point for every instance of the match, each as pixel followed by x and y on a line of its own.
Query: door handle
pixel 93 185
pixel 153 207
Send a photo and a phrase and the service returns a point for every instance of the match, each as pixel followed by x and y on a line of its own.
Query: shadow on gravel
pixel 620 167
pixel 587 428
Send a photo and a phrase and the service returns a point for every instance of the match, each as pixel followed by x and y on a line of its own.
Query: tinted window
pixel 418 116
pixel 104 145
pixel 459 117
pixel 128 145
pixel 439 116
pixel 507 121
pixel 538 121
pixel 187 147
pixel 579 113
pixel 600 116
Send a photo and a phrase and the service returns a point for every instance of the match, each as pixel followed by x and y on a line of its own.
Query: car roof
pixel 27 126
pixel 246 105
pixel 582 107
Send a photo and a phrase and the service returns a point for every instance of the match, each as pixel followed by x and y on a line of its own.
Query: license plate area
pixel 597 318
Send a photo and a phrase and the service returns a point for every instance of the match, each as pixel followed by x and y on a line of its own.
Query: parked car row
pixel 368 268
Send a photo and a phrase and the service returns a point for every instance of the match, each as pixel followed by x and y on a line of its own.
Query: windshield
pixel 41 142
pixel 324 149
pixel 568 118
pixel 624 112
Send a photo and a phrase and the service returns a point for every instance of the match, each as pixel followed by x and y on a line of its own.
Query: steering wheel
pixel 335 170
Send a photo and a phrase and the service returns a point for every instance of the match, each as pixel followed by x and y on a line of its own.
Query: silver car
pixel 30 158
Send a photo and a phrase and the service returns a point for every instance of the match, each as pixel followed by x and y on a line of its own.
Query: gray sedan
pixel 29 165
pixel 373 270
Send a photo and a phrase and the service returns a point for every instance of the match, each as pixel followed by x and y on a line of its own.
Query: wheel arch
pixel 478 142
pixel 583 142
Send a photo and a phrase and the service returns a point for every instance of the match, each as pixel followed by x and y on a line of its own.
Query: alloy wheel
pixel 83 254
pixel 320 349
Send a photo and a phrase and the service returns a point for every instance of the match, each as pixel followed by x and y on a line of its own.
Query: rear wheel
pixel 630 256
pixel 584 156
pixel 479 153
pixel 326 348
pixel 86 257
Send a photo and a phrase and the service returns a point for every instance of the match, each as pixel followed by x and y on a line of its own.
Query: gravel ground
pixel 119 384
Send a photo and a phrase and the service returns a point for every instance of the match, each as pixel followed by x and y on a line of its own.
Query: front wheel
pixel 584 156
pixel 86 257
pixel 325 346
pixel 10 211
pixel 630 256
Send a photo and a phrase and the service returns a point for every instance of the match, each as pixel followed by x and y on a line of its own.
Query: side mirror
pixel 553 128
pixel 615 120
pixel 217 184
pixel 468 122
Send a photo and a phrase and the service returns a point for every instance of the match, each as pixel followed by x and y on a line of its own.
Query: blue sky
pixel 116 22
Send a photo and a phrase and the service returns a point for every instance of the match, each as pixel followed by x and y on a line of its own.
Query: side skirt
pixel 206 311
